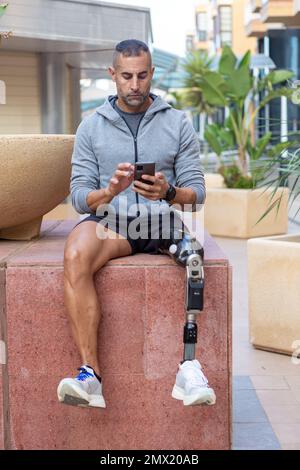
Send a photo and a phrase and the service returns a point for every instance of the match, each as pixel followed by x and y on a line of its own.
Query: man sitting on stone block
pixel 134 127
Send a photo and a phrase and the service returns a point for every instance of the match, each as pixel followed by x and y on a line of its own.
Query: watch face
pixel 171 193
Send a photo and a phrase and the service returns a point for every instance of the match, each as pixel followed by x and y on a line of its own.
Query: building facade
pixel 54 44
pixel 220 22
pixel 276 26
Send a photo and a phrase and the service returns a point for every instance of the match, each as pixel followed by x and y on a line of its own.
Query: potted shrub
pixel 235 210
pixel 274 273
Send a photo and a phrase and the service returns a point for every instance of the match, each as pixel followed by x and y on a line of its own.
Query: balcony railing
pixel 279 11
pixel 255 5
pixel 253 24
pixel 255 28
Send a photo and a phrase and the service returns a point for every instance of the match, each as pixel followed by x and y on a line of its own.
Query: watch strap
pixel 171 193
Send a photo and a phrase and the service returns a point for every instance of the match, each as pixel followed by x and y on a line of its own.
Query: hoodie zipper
pixel 135 157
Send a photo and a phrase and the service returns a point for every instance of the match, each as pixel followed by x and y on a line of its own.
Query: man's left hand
pixel 155 191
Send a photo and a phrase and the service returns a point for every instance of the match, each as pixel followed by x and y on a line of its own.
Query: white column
pixel 284 119
pixel 2 92
pixel 267 70
pixel 53 93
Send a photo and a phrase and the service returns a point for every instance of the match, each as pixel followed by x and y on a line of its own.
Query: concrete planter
pixel 34 178
pixel 235 212
pixel 63 211
pixel 214 180
pixel 274 294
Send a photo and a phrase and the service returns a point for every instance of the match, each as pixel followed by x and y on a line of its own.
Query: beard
pixel 135 101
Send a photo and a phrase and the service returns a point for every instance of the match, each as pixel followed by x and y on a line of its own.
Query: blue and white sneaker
pixel 84 390
pixel 191 385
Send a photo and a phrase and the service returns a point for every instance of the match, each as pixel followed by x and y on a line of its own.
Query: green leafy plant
pixel 177 99
pixel 233 87
pixel 279 171
pixel 4 34
pixel 233 178
pixel 3 7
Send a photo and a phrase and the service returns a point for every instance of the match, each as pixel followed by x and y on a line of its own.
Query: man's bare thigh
pixel 97 245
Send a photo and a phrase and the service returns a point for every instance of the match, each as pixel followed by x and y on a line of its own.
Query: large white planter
pixel 214 180
pixel 235 213
pixel 274 293
pixel 34 178
pixel 61 212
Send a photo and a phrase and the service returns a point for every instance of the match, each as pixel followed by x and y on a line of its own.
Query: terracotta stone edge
pixel 7 443
pixel 5 262
pixel 4 368
pixel 229 351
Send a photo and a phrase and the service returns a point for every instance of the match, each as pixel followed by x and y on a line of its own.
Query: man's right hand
pixel 122 178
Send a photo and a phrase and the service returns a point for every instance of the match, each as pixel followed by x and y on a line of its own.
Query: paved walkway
pixel 266 397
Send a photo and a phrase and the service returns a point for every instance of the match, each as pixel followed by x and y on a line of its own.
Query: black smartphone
pixel 144 169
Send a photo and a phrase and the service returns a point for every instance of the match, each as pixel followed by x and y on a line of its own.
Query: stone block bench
pixel 142 300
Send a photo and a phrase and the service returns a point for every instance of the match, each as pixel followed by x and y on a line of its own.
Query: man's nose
pixel 135 84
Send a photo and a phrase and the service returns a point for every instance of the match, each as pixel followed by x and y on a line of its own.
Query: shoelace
pixel 196 378
pixel 83 375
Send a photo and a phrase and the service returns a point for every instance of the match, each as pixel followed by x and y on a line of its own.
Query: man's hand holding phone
pixel 147 183
pixel 152 186
pixel 121 180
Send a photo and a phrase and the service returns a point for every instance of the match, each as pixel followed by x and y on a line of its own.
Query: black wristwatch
pixel 171 193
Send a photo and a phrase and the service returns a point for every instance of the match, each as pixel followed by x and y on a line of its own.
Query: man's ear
pixel 152 72
pixel 112 73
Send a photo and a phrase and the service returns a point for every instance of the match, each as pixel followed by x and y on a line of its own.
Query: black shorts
pixel 148 237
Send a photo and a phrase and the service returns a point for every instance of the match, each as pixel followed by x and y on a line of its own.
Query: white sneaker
pixel 191 385
pixel 84 390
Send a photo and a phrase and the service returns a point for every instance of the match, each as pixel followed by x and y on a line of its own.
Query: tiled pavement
pixel 266 386
pixel 251 427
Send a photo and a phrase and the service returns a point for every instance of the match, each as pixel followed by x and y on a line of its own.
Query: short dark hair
pixel 130 48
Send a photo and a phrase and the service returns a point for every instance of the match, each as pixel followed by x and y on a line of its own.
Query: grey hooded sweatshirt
pixel 103 140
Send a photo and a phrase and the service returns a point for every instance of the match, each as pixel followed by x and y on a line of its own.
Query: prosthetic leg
pixel 191 385
pixel 188 252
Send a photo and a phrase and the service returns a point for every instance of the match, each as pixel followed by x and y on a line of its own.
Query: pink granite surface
pixel 2 337
pixel 10 248
pixel 140 345
pixel 48 250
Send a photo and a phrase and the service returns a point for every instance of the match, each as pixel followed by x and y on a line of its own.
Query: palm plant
pixel 232 86
pixel 196 65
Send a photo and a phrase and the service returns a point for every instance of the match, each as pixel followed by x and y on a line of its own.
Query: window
pixel 225 25
pixel 189 43
pixel 201 23
pixel 216 30
pixel 202 36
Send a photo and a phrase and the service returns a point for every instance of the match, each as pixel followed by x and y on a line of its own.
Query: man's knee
pixel 73 255
pixel 76 263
